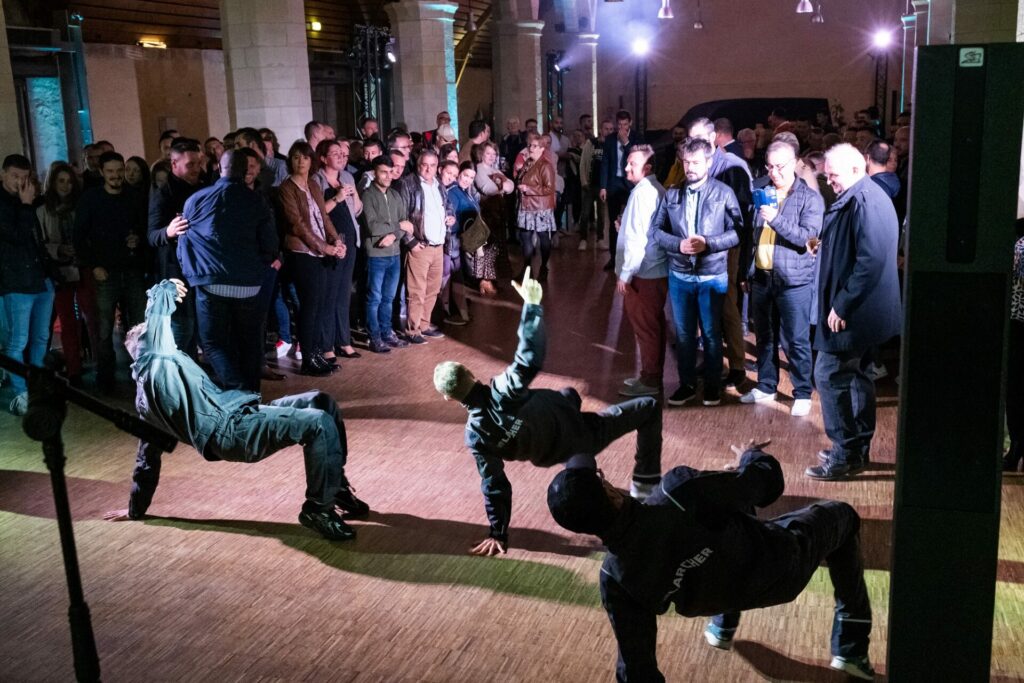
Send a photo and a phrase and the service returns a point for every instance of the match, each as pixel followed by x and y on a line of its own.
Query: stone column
pixel 425 71
pixel 587 65
pixel 10 131
pixel 518 74
pixel 267 65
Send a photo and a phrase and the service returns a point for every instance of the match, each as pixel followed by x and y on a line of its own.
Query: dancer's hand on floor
pixel 117 516
pixel 738 451
pixel 489 547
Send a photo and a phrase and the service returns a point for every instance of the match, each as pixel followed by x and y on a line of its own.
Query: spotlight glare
pixel 883 38
pixel 666 10
pixel 390 54
pixel 804 7
pixel 641 46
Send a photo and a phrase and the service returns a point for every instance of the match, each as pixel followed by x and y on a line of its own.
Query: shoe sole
pixel 718 643
pixel 849 474
pixel 629 392
pixel 851 669
pixel 677 402
pixel 752 401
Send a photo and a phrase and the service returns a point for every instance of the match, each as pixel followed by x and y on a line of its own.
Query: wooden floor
pixel 222 584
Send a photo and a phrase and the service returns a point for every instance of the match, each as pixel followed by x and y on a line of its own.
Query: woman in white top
pixel 344 205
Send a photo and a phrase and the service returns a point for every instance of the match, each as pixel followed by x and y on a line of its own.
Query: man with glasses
pixel 402 142
pixel 780 277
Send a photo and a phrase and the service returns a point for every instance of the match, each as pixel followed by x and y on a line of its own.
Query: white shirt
pixel 636 255
pixel 434 228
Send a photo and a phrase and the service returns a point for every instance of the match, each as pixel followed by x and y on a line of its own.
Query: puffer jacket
pixel 799 219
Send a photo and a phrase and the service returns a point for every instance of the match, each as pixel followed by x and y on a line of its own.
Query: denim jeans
pixel 28 330
pixel 382 273
pixel 698 301
pixel 847 402
pixel 829 531
pixel 127 290
pixel 229 330
pixel 778 307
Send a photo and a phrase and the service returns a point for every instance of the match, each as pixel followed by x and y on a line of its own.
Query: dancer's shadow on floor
pixel 401 547
pixel 776 666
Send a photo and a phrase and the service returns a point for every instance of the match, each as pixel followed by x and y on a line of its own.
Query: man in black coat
pixel 858 306
pixel 614 188
pixel 695 544
pixel 166 223
pixel 510 421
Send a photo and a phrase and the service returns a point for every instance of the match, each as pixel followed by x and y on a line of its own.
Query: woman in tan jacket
pixel 311 246
pixel 536 185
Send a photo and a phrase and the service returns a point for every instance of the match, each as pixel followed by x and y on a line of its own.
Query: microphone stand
pixel 47 407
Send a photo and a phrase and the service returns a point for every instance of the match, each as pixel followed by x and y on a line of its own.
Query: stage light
pixel 641 46
pixel 390 54
pixel 315 26
pixel 666 10
pixel 882 39
pixel 698 25
pixel 152 43
pixel 804 7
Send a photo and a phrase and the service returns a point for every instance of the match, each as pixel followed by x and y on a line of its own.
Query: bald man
pixel 858 306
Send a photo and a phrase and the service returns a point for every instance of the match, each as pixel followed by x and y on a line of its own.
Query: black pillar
pixel 968 111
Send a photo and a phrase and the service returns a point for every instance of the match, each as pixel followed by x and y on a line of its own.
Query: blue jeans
pixel 777 307
pixel 700 301
pixel 382 273
pixel 28 330
pixel 229 330
pixel 847 402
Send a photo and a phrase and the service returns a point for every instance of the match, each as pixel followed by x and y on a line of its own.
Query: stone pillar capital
pixel 420 10
pixel 519 27
pixel 588 38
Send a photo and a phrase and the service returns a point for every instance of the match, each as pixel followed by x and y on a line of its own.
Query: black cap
pixel 578 502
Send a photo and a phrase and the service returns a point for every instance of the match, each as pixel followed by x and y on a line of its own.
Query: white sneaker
pixel 640 491
pixel 755 395
pixel 801 407
pixel 630 381
pixel 282 348
pixel 19 405
pixel 583 245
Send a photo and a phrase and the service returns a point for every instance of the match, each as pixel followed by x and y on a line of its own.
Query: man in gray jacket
pixel 697 224
pixel 780 278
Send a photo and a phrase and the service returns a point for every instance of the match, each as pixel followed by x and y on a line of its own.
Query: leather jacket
pixel 536 185
pixel 412 193
pixel 718 222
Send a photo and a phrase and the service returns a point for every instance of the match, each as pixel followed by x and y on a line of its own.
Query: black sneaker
pixel 415 339
pixel 378 346
pixel 328 524
pixel 394 342
pixel 433 332
pixel 712 397
pixel 833 471
pixel 349 504
pixel 682 395
pixel 735 378
pixel 824 455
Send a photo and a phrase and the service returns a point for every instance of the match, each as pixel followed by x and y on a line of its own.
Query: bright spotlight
pixel 641 46
pixel 883 39
pixel 390 54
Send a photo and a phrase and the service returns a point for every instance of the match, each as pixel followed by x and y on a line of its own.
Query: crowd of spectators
pixel 791 230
